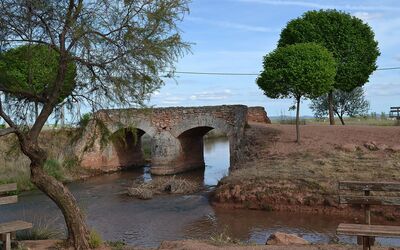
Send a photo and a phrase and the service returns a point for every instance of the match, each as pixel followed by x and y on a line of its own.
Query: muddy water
pixel 146 223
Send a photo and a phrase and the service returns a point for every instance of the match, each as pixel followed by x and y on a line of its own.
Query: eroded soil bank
pixel 279 174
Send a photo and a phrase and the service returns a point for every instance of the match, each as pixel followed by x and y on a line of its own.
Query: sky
pixel 234 35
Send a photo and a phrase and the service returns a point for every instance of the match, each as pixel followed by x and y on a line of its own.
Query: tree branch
pixel 7 131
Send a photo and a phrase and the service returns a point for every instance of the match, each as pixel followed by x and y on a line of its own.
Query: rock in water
pixel 284 239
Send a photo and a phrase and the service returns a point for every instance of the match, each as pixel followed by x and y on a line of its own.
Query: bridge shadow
pixel 128 147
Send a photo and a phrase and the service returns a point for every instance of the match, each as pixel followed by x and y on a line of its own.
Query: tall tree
pixel 119 49
pixel 300 70
pixel 351 103
pixel 349 39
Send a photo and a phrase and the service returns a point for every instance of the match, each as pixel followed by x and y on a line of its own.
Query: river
pixel 172 217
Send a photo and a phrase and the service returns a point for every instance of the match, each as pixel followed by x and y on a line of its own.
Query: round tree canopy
pixel 349 39
pixel 304 69
pixel 29 72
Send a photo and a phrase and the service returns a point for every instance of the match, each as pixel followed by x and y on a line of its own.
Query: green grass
pixel 95 239
pixel 61 164
pixel 116 245
pixel 369 121
pixel 53 168
pixel 40 231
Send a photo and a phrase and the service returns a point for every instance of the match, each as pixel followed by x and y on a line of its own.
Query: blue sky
pixel 234 35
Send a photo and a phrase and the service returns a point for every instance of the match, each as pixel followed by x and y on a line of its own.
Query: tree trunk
pixel 341 119
pixel 36 110
pixel 298 121
pixel 78 232
pixel 330 103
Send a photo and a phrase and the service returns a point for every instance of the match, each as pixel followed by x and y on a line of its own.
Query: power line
pixel 215 73
pixel 392 68
pixel 246 74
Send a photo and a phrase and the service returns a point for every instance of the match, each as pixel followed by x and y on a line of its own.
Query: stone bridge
pixel 176 136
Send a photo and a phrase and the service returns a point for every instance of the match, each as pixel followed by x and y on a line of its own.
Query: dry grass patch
pixel 163 185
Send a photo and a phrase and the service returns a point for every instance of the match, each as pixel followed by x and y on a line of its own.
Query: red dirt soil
pixel 279 174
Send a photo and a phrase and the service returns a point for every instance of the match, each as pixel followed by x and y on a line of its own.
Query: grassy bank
pixel 61 163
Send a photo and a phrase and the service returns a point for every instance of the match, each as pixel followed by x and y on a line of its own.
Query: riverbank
pixel 201 245
pixel 281 175
pixel 61 163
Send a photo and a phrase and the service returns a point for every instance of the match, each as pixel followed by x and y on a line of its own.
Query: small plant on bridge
pixel 300 71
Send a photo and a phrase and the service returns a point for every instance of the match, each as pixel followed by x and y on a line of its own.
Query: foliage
pixel 95 239
pixel 29 72
pixel 349 39
pixel 300 70
pixel 54 168
pixel 123 135
pixel 84 120
pixel 351 103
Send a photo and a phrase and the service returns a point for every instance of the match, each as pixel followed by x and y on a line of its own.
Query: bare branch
pixel 7 131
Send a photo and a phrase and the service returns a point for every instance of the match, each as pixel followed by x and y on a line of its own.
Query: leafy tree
pixel 27 73
pixel 349 39
pixel 351 103
pixel 119 49
pixel 300 70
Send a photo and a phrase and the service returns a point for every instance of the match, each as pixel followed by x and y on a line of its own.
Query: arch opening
pixel 208 148
pixel 128 147
pixel 192 144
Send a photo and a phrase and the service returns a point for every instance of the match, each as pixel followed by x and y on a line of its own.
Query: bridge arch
pixel 124 148
pixel 190 134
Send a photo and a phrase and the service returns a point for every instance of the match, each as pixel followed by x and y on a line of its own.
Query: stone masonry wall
pixel 165 126
pixel 257 114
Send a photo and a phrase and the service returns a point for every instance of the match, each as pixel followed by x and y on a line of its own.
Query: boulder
pixel 348 147
pixel 371 146
pixel 284 239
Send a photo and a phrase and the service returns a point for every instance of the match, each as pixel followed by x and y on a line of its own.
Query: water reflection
pixel 216 157
pixel 146 223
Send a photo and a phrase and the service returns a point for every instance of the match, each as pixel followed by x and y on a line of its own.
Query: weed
pixel 53 168
pixel 41 231
pixel 95 239
pixel 116 245
pixel 223 238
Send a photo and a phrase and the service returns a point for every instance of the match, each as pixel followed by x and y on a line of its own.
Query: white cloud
pixel 367 16
pixel 382 89
pixel 315 5
pixel 231 25
pixel 211 95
